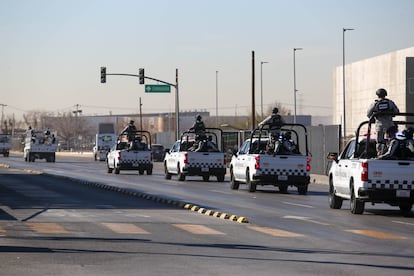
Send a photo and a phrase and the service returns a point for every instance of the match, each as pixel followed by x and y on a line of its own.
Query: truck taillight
pixel 308 166
pixel 185 158
pixel 225 159
pixel 364 173
pixel 119 156
pixel 257 164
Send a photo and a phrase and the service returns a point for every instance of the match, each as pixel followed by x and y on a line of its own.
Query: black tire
pixel 206 178
pixel 220 178
pixel 357 206
pixel 251 186
pixel 283 189
pixel 116 170
pixel 303 189
pixel 405 207
pixel 109 169
pixel 167 174
pixel 234 185
pixel 335 202
pixel 32 158
pixel 149 171
pixel 181 176
pixel 53 158
pixel 141 171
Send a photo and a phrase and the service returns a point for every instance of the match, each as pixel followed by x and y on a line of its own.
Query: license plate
pixel 403 193
pixel 204 169
pixel 282 177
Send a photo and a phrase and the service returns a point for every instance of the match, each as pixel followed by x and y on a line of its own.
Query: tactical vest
pixel 382 106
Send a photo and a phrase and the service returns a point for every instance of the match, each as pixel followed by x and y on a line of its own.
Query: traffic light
pixel 141 76
pixel 103 74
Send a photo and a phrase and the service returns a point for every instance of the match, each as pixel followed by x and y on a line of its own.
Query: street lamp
pixel 294 82
pixel 261 85
pixel 217 98
pixel 343 81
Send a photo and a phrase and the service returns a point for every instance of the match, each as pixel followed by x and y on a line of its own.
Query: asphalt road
pixel 54 225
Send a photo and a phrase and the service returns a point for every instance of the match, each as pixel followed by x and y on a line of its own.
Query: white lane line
pixel 307 219
pixel 403 222
pixel 297 204
pixel 220 192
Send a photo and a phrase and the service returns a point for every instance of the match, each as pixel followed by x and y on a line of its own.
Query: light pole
pixel 261 86
pixel 217 98
pixel 343 81
pixel 294 82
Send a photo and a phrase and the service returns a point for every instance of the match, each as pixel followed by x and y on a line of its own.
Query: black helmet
pixel 381 92
pixel 198 117
pixel 275 110
pixel 131 122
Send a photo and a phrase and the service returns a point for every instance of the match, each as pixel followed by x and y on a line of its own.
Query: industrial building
pixel 392 71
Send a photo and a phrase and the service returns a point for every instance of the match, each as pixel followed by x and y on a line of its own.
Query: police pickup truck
pixel 4 145
pixel 40 145
pixel 132 151
pixel 357 175
pixel 197 156
pixel 263 160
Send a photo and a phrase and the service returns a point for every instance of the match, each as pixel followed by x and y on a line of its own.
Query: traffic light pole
pixel 177 109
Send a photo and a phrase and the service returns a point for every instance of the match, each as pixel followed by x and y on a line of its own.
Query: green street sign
pixel 157 88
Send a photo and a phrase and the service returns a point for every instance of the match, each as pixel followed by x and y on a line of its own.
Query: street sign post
pixel 157 88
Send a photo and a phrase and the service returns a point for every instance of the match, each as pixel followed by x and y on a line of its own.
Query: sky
pixel 51 52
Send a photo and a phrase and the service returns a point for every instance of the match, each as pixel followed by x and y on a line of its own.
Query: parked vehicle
pixel 104 140
pixel 190 156
pixel 131 154
pixel 4 145
pixel 261 161
pixel 357 175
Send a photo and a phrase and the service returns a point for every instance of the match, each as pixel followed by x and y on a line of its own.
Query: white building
pixel 393 71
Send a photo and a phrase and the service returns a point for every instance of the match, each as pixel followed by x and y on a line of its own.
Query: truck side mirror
pixel 333 156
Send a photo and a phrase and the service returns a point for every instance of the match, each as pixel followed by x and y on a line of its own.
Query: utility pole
pixel 253 95
pixel 2 115
pixel 140 112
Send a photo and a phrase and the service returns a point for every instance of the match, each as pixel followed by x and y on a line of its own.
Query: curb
pixel 156 198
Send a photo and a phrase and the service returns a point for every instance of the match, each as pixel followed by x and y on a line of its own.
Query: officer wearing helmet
pixel 382 111
pixel 274 120
pixel 200 130
pixel 130 129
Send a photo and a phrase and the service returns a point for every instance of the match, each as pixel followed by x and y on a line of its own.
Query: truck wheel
pixel 220 178
pixel 357 206
pixel 335 202
pixel 234 185
pixel 32 158
pixel 181 176
pixel 303 189
pixel 251 186
pixel 116 170
pixel 283 189
pixel 405 207
pixel 141 171
pixel 167 174
pixel 206 178
pixel 149 171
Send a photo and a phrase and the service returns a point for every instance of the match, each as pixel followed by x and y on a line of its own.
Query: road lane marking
pixel 376 234
pixel 125 228
pixel 47 227
pixel 275 232
pixel 198 229
pixel 307 219
pixel 297 204
pixel 403 222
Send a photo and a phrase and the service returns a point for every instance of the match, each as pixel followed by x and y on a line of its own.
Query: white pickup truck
pixel 188 156
pixel 4 145
pixel 40 145
pixel 357 176
pixel 254 165
pixel 132 151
